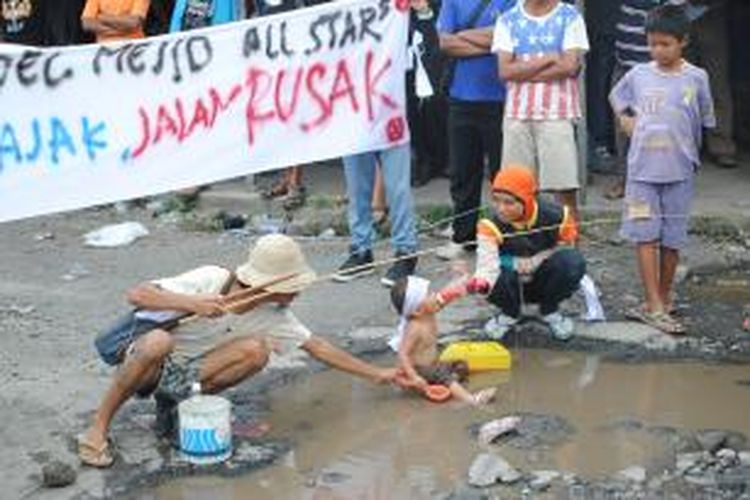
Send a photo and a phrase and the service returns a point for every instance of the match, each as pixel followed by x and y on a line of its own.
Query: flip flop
pixel 485 396
pixel 658 319
pixel 672 310
pixel 95 456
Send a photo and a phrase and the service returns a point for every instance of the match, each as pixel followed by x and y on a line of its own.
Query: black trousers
pixel 601 64
pixel 429 137
pixel 556 279
pixel 474 144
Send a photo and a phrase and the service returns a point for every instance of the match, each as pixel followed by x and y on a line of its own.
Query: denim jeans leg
pixel 359 171
pixel 396 166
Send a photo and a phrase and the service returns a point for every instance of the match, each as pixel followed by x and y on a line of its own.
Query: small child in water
pixel 416 340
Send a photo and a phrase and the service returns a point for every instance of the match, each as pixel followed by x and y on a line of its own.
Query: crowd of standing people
pixel 504 78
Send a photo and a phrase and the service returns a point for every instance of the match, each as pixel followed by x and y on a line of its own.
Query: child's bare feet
pixel 484 396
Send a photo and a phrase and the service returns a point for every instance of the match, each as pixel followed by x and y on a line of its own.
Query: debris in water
pixel 333 477
pixel 495 429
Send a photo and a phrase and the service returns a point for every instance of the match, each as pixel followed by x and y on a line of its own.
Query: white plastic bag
pixel 115 235
pixel 594 309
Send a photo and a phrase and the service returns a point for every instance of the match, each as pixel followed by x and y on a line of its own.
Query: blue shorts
pixel 657 212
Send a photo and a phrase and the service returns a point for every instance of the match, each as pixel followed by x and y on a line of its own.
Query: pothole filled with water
pixel 586 419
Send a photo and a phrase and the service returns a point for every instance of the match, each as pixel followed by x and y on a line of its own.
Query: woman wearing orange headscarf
pixel 526 252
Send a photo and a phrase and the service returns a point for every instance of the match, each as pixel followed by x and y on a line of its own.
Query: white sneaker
pixel 451 251
pixel 446 233
pixel 562 327
pixel 498 326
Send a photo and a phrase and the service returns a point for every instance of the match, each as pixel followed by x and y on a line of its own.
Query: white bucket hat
pixel 276 256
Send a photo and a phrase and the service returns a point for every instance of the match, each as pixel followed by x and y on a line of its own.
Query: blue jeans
pixel 359 170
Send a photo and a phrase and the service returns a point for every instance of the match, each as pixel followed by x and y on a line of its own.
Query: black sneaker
pixel 400 269
pixel 165 426
pixel 357 265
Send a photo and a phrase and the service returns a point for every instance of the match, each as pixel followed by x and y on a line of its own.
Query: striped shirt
pixel 631 43
pixel 528 37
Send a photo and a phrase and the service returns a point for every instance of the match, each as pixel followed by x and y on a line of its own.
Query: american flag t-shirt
pixel 528 37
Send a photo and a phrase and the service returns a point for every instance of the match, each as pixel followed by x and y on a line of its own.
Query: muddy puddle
pixel 353 440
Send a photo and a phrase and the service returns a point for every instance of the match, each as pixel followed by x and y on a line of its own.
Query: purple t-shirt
pixel 671 110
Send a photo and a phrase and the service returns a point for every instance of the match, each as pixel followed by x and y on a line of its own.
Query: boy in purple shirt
pixel 663 106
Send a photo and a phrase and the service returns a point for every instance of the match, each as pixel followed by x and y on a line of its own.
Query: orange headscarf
pixel 520 182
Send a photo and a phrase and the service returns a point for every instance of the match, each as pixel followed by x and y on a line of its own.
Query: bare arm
pixel 566 66
pixel 127 22
pixel 405 352
pixel 456 46
pixel 150 296
pixel 627 123
pixel 488 260
pixel 331 355
pixel 513 69
pixel 481 37
pixel 94 25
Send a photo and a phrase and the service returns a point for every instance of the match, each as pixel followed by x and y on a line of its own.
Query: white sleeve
pixel 502 40
pixel 576 37
pixel 488 260
pixel 206 279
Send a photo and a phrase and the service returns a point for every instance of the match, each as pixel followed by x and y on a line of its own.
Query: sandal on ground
pixel 379 216
pixel 657 319
pixel 95 456
pixel 672 309
pixel 276 191
pixel 615 192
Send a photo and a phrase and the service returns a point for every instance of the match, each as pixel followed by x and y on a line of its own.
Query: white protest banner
pixel 94 124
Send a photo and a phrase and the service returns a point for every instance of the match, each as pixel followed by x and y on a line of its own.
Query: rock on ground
pixel 57 474
pixel 489 468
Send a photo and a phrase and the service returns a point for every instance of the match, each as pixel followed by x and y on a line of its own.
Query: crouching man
pixel 237 319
